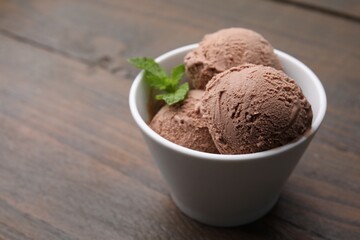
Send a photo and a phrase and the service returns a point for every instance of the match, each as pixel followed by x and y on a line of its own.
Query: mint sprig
pixel 171 90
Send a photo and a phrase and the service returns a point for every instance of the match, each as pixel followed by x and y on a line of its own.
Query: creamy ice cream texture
pixel 183 124
pixel 254 108
pixel 224 49
pixel 249 104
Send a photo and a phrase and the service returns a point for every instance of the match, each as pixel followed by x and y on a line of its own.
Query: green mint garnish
pixel 156 77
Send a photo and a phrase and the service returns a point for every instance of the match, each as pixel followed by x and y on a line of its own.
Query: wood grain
pixel 349 9
pixel 73 165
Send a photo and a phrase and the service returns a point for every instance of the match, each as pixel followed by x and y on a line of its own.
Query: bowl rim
pixel 227 157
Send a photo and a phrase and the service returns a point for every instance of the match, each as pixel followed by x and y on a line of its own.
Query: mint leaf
pixel 157 78
pixel 174 97
pixel 177 73
pixel 149 65
pixel 154 74
pixel 156 82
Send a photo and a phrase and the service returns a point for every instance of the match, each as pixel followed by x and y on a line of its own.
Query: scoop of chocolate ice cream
pixel 224 49
pixel 183 124
pixel 254 108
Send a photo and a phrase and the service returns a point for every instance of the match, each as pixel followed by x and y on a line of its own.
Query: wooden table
pixel 73 165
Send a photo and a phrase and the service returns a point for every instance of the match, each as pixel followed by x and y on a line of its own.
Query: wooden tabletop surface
pixel 73 164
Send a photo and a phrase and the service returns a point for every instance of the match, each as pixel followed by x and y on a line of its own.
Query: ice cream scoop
pixel 253 108
pixel 183 124
pixel 224 49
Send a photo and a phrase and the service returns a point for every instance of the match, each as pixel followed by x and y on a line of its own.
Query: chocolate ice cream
pixel 183 124
pixel 227 48
pixel 254 108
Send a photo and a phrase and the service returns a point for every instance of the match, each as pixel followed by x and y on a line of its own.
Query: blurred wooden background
pixel 73 165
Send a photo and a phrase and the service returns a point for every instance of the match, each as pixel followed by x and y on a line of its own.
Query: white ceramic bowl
pixel 226 190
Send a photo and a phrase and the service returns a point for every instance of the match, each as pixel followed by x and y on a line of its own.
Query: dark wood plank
pixel 94 31
pixel 345 8
pixel 73 165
